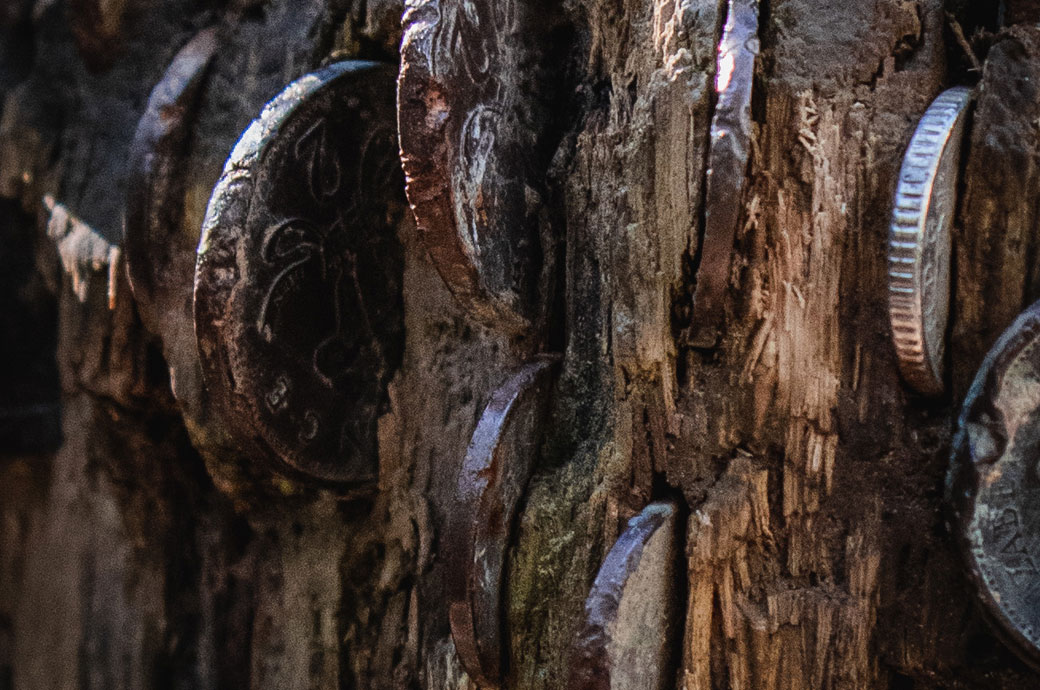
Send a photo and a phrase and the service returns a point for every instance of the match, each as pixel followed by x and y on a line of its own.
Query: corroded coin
pixel 994 483
pixel 298 307
pixel 158 258
pixel 473 117
pixel 490 486
pixel 727 167
pixel 630 627
pixel 919 244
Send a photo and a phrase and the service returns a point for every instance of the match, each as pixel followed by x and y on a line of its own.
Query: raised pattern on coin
pixel 158 258
pixel 473 113
pixel 630 627
pixel 298 306
pixel 727 167
pixel 994 484
pixel 490 486
pixel 919 241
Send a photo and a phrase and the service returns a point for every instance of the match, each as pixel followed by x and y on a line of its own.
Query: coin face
pixel 298 307
pixel 994 484
pixel 919 244
pixel 474 146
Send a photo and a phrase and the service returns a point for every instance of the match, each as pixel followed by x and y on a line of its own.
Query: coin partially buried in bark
pixel 490 486
pixel 727 167
pixel 919 241
pixel 629 635
pixel 994 484
pixel 298 307
pixel 472 107
pixel 158 258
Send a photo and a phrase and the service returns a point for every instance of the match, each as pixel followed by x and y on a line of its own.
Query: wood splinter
pixel 491 483
pixel 628 638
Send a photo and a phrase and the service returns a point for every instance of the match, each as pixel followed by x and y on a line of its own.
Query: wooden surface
pixel 816 551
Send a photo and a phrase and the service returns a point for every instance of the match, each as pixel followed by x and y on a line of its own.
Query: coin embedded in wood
pixel 156 257
pixel 727 167
pixel 472 115
pixel 298 307
pixel 919 241
pixel 994 485
pixel 491 483
pixel 629 633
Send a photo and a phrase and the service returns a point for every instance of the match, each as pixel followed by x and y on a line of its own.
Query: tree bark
pixel 808 477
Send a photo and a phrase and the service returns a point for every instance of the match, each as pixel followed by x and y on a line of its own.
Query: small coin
pixel 490 487
pixel 994 484
pixel 298 306
pixel 919 241
pixel 630 627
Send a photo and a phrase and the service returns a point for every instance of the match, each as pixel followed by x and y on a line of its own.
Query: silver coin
pixel 919 244
pixel 994 484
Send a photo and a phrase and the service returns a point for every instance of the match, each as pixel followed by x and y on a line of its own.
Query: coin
pixel 473 117
pixel 994 484
pixel 919 241
pixel 727 168
pixel 298 306
pixel 158 258
pixel 490 486
pixel 629 632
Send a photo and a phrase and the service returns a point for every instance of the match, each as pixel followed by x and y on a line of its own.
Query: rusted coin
pixel 727 167
pixel 628 638
pixel 156 255
pixel 919 241
pixel 994 484
pixel 298 307
pixel 472 117
pixel 494 476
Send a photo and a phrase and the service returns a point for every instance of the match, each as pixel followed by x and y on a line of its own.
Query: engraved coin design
pixel 298 307
pixel 919 244
pixel 490 486
pixel 994 484
pixel 472 116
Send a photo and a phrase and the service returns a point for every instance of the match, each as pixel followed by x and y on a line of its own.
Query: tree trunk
pixel 808 477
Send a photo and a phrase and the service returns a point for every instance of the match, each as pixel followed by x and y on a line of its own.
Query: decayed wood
pixel 628 637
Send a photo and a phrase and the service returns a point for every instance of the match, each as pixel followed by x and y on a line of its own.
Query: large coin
pixel 473 112
pixel 994 484
pixel 919 244
pixel 298 307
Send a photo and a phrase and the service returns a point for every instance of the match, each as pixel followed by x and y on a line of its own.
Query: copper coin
pixel 298 306
pixel 490 486
pixel 726 177
pixel 472 118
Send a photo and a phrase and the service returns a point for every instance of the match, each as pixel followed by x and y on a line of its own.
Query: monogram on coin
pixel 919 241
pixel 994 485
pixel 298 307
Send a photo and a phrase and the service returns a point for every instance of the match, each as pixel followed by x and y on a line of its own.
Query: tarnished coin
pixel 490 487
pixel 727 167
pixel 994 484
pixel 629 633
pixel 298 306
pixel 919 241
pixel 158 258
pixel 473 117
